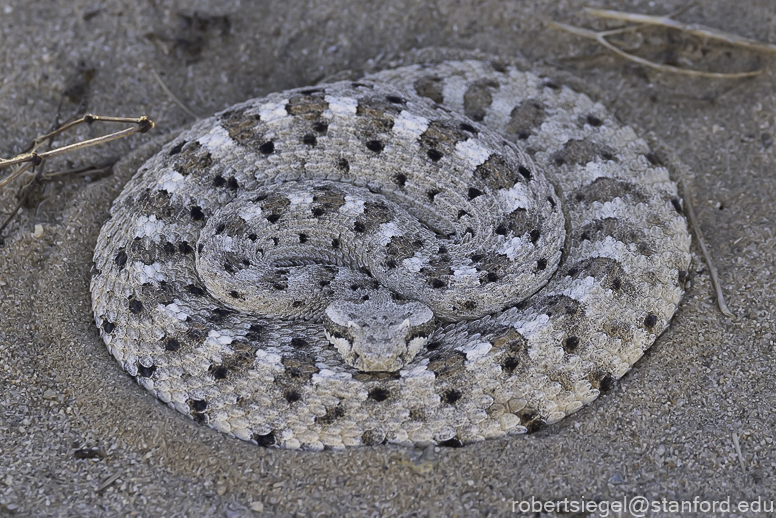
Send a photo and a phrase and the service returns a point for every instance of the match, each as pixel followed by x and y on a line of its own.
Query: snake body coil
pixel 432 254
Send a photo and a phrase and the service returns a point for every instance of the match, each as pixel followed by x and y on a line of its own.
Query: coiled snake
pixel 430 254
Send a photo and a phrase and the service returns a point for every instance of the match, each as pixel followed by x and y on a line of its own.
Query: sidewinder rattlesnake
pixel 437 253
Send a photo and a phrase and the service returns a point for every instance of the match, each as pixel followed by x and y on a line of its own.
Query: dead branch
pixel 31 159
pixel 713 269
pixel 643 20
pixel 690 28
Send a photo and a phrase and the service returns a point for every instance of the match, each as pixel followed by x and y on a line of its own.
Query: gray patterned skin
pixel 433 254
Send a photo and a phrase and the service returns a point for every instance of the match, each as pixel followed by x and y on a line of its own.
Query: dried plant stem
pixel 691 28
pixel 173 97
pixel 16 174
pixel 600 37
pixel 697 229
pixel 32 158
pixel 100 168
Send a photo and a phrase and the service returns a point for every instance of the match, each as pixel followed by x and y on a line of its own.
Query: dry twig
pixel 32 159
pixel 738 452
pixel 172 96
pixel 663 21
pixel 713 269
pixel 690 28
pixel 110 480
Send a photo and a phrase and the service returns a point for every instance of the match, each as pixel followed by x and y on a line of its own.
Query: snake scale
pixel 434 254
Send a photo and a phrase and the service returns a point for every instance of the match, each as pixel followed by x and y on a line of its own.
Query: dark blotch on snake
pixel 121 259
pixel 379 394
pixel 266 440
pixel 197 214
pixel 299 342
pixel 435 155
pixel 172 345
pixel 453 442
pixel 450 396
pixel 135 306
pixel 292 396
pixel 219 372
pixel 198 405
pixel 677 203
pixel 195 290
pixel 594 121
pixel 570 344
pixel 375 145
pixel 177 148
pixel 331 415
pixel 145 372
pixel 650 321
pixel 510 363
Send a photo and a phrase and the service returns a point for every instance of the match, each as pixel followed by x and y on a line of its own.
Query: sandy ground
pixel 667 429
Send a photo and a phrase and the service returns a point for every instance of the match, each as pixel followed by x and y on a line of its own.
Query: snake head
pixel 379 334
